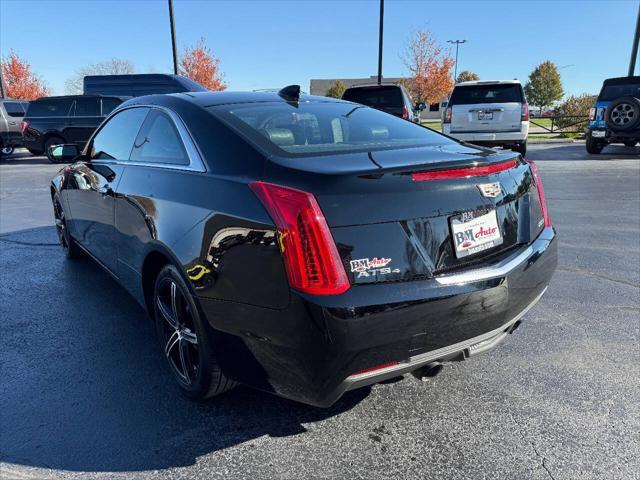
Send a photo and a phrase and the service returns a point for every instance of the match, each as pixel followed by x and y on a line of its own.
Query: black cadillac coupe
pixel 302 245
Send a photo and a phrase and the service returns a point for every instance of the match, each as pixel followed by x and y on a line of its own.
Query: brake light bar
pixel 543 199
pixel 310 255
pixel 463 172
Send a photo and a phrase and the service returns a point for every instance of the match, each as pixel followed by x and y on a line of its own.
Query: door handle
pixel 105 190
pixel 12 123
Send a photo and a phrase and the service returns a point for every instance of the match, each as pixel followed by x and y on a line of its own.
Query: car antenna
pixel 290 93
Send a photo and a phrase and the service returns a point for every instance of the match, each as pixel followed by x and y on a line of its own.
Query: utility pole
pixel 457 43
pixel 380 42
pixel 634 47
pixel 173 38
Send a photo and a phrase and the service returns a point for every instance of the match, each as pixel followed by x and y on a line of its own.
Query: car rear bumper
pixel 609 136
pixel 489 138
pixel 313 350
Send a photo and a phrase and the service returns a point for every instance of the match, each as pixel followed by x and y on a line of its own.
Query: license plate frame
pixel 475 232
pixel 483 116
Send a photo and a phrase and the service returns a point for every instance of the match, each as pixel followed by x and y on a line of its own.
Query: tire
pixel 594 147
pixel 35 152
pixel 631 143
pixel 623 114
pixel 186 338
pixel 49 143
pixel 69 246
pixel 521 148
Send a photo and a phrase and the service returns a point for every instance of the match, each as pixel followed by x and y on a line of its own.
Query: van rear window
pixel 500 93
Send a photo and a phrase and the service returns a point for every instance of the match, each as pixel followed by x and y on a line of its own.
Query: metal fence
pixel 559 124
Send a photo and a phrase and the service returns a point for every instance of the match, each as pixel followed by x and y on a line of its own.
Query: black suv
pixel 615 117
pixel 389 98
pixel 70 119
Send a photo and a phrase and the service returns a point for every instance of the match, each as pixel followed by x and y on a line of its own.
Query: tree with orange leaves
pixel 19 81
pixel 198 64
pixel 430 68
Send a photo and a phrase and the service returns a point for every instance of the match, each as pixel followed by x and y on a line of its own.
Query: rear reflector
pixel 374 369
pixel 463 172
pixel 309 251
pixel 543 199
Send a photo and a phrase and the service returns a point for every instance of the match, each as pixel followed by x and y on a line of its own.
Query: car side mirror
pixel 421 106
pixel 64 153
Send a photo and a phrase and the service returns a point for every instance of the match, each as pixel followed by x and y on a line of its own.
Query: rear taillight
pixel 310 255
pixel 405 112
pixel 463 172
pixel 524 113
pixel 592 114
pixel 447 115
pixel 541 195
pixel 24 125
pixel 377 368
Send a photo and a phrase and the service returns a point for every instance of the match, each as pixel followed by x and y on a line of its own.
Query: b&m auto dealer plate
pixel 475 232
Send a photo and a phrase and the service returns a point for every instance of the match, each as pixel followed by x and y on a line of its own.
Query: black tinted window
pixel 115 140
pixel 159 142
pixel 612 92
pixel 87 107
pixel 376 97
pixel 109 105
pixel 15 109
pixel 50 107
pixel 505 93
pixel 323 127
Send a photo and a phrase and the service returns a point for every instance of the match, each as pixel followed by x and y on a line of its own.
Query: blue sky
pixel 265 44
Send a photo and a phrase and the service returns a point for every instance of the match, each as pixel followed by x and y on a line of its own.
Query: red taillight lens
pixel 592 114
pixel 447 115
pixel 24 125
pixel 524 113
pixel 405 112
pixel 309 251
pixel 376 368
pixel 543 199
pixel 463 172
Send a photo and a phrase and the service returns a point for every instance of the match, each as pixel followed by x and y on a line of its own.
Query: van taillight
pixel 543 199
pixel 524 113
pixel 24 125
pixel 405 112
pixel 310 255
pixel 592 114
pixel 447 115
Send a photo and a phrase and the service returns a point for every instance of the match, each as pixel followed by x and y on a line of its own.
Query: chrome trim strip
pixel 423 358
pixel 486 273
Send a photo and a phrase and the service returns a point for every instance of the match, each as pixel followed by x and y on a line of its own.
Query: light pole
pixel 457 42
pixel 173 38
pixel 634 47
pixel 380 42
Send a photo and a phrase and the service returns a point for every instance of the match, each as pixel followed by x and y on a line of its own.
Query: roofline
pixel 487 82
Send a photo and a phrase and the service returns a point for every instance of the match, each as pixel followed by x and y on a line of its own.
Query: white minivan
pixel 489 113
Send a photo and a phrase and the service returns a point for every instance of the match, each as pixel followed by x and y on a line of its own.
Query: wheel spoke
pixel 173 339
pixel 185 360
pixel 189 336
pixel 174 306
pixel 167 314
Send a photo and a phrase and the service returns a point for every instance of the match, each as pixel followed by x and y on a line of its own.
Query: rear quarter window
pixel 15 109
pixel 50 107
pixel 472 94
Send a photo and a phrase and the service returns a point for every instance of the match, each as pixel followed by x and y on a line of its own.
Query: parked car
pixel 69 119
pixel 389 98
pixel 615 117
pixel 11 114
pixel 301 245
pixel 489 113
pixel 135 85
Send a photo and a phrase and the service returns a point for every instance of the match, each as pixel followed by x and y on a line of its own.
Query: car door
pixel 84 118
pixel 91 191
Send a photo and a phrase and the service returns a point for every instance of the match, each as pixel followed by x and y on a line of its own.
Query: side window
pixel 14 109
pixel 87 107
pixel 109 104
pixel 115 139
pixel 159 142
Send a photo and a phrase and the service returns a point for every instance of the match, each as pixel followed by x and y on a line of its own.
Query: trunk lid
pixel 490 117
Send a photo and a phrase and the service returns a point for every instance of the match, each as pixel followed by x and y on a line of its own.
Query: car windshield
pixel 612 92
pixel 375 96
pixel 315 128
pixel 497 93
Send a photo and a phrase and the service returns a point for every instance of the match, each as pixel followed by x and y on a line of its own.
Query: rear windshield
pixel 376 97
pixel 50 107
pixel 612 92
pixel 306 129
pixel 505 93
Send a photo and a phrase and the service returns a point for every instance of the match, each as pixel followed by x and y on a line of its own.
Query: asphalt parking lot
pixel 86 394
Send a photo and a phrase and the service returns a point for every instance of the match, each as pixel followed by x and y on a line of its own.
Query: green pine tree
pixel 544 86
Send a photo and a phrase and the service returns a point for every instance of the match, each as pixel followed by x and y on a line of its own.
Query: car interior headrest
pixel 283 137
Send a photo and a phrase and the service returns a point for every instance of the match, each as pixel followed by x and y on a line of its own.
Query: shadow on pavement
pixel 85 386
pixel 577 151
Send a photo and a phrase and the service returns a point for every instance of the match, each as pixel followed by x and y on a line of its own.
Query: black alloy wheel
pixel 185 339
pixel 68 244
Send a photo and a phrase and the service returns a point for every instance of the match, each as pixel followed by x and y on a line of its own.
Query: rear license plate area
pixel 485 115
pixel 475 232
